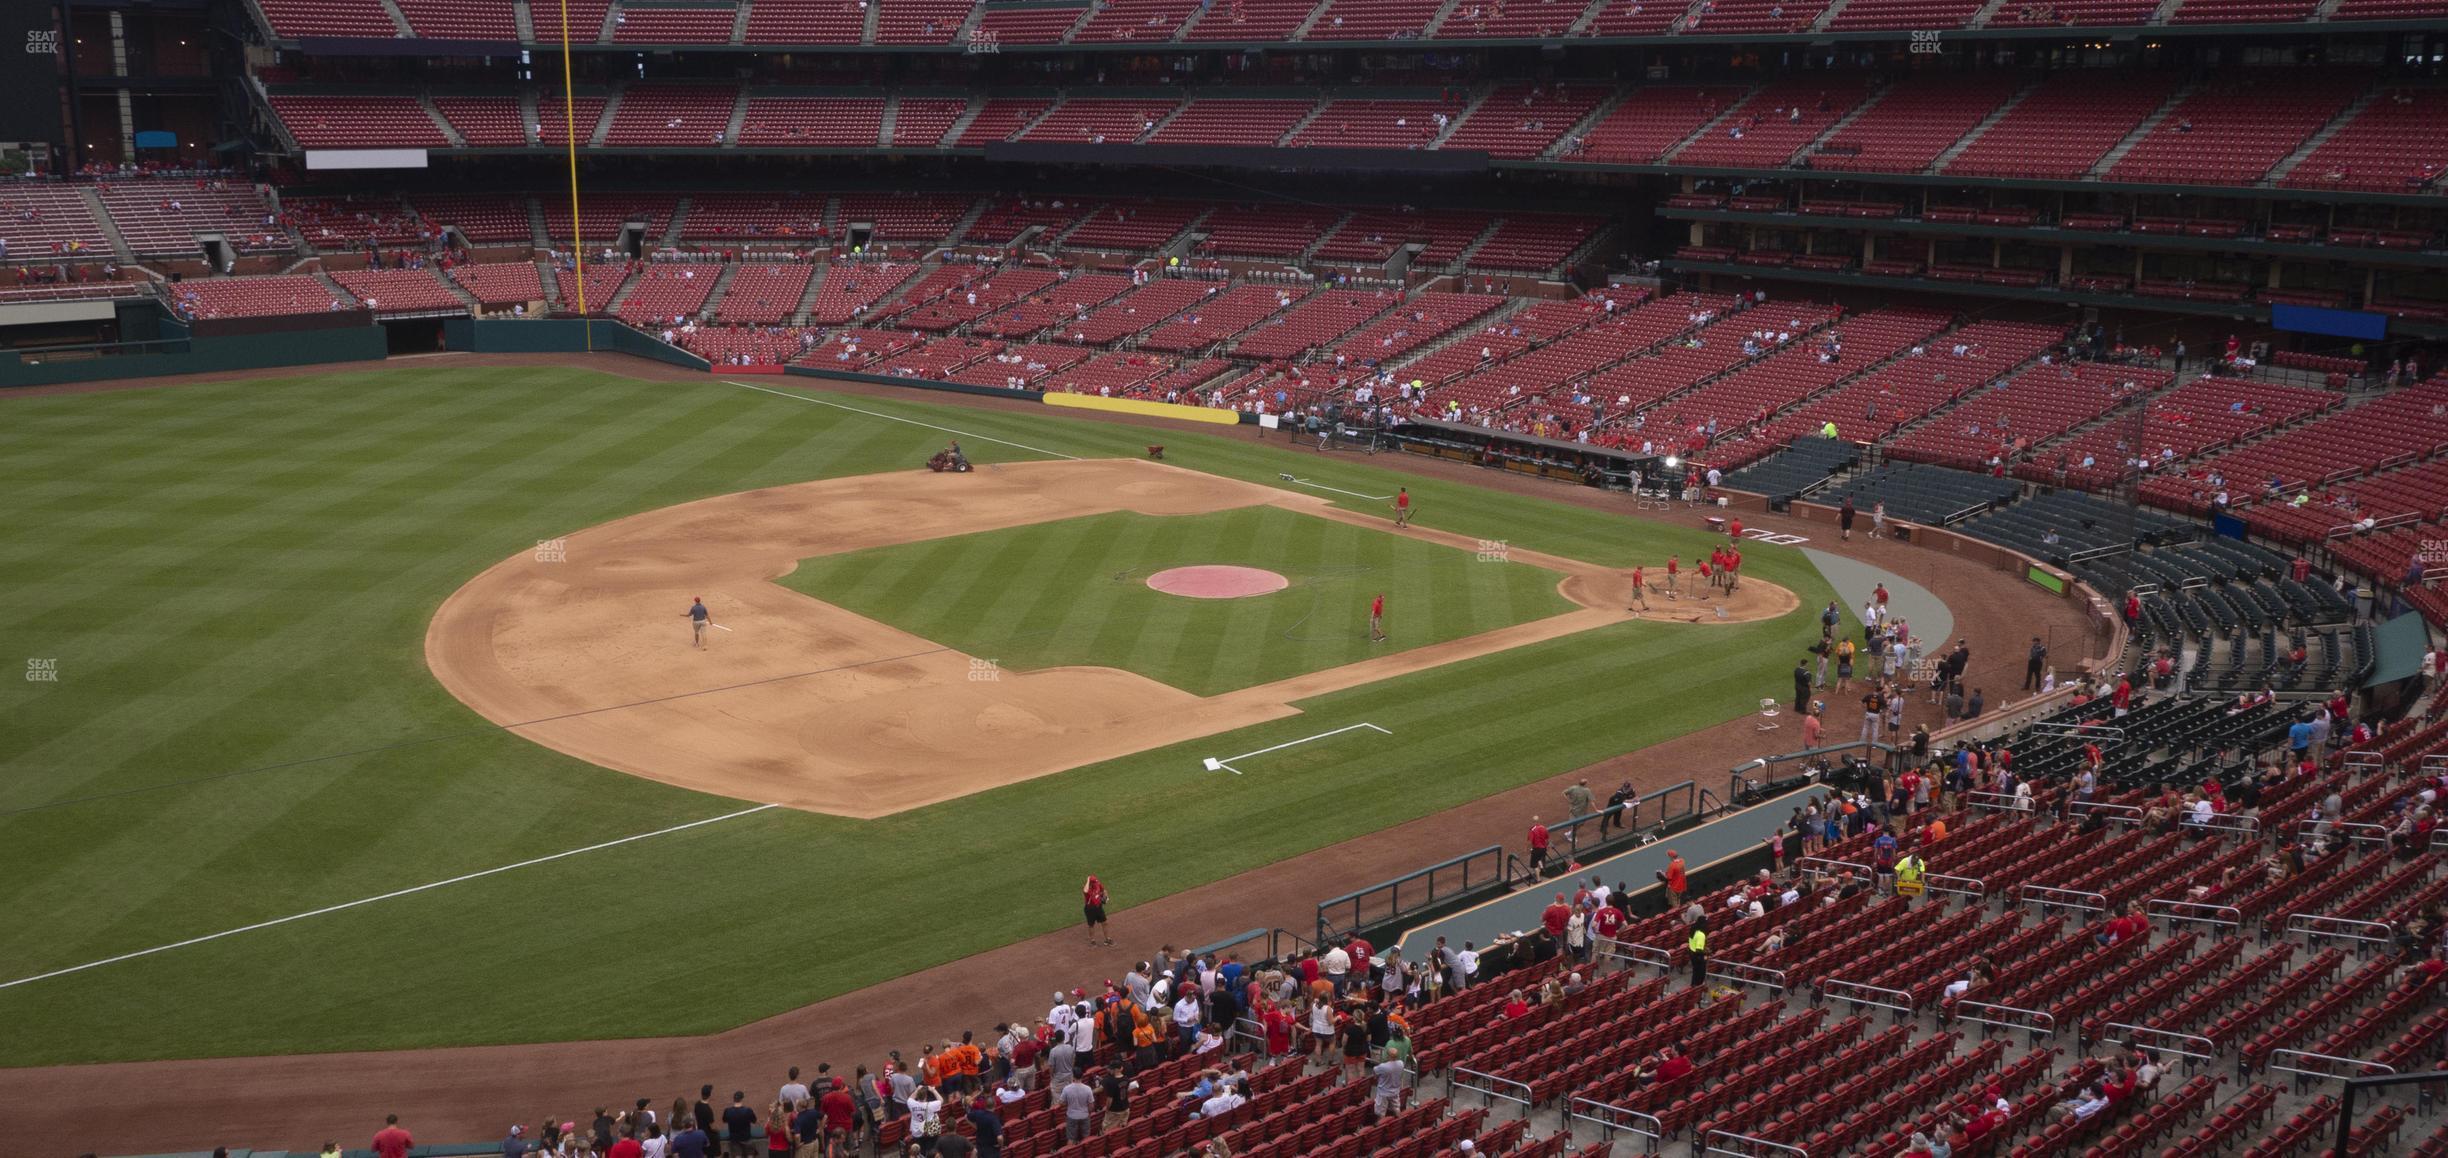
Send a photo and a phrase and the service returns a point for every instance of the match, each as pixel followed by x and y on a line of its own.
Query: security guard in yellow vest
pixel 1699 953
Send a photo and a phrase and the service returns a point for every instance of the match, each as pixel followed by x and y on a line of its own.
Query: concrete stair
pixel 1302 32
pixel 961 123
pixel 739 116
pixel 1584 125
pixel 335 287
pixel 603 123
pixel 1161 122
pixel 456 290
pixel 1947 156
pixel 1987 13
pixel 1462 262
pixel 1438 21
pixel 1840 123
pixel 2320 138
pixel 960 228
pixel 807 297
pixel 1589 16
pixel 892 116
pixel 425 100
pixel 1704 130
pixel 399 19
pixel 1454 122
pixel 110 228
pixel 522 17
pixel 867 35
pixel 2140 131
pixel 531 115
pixel 714 297
pixel 739 24
pixel 1827 17
pixel 550 278
pixel 1307 118
pixel 671 234
pixel 542 234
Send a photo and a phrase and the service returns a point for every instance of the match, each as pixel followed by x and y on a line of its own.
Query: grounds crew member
pixel 1909 871
pixel 1699 953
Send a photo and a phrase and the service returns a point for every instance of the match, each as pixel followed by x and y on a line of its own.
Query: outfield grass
pixel 235 579
pixel 1075 593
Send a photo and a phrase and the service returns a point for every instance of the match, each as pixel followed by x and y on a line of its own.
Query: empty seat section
pixel 1051 307
pixel 2244 11
pixel 1519 121
pixel 1143 21
pixel 840 122
pixel 763 294
pixel 1134 225
pixel 332 223
pixel 1545 19
pixel 42 220
pixel 358 122
pixel 2062 128
pixel 1530 242
pixel 1100 121
pixel 486 122
pixel 637 24
pixel 1247 123
pixel 1274 230
pixel 1767 129
pixel 2195 418
pixel 500 285
pixel 695 116
pixel 849 290
pixel 1140 310
pixel 1027 25
pixel 1001 119
pixel 1219 316
pixel 602 217
pixel 919 21
pixel 1003 221
pixel 665 293
pixel 163 218
pixel 395 290
pixel 806 22
pixel 304 19
pixel 481 218
pixel 556 119
pixel 1651 121
pixel 2396 144
pixel 1637 17
pixel 1866 15
pixel 2038 404
pixel 1912 122
pixel 461 19
pixel 1372 236
pixel 920 122
pixel 254 297
pixel 1369 124
pixel 1254 21
pixel 905 217
pixel 2233 129
pixel 1374 19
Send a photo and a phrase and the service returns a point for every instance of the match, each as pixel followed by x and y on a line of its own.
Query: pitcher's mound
pixel 1217 582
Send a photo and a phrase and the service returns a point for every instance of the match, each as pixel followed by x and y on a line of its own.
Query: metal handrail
pixel 2439 839
pixel 2118 813
pixel 2368 1068
pixel 1489 1093
pixel 2226 824
pixel 2353 830
pixel 2313 924
pixel 2225 916
pixel 2056 896
pixel 1866 871
pixel 1609 1119
pixel 2431 763
pixel 1744 973
pixel 2033 1026
pixel 2363 758
pixel 1957 885
pixel 2010 801
pixel 1716 1137
pixel 1855 989
pixel 2158 1039
pixel 1621 950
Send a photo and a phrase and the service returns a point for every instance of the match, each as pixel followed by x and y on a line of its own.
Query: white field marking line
pixel 898 418
pixel 1226 762
pixel 718 627
pixel 362 901
pixel 1341 491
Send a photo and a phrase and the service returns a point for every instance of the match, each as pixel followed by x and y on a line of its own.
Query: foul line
pixel 1226 763
pixel 328 909
pixel 1337 490
pixel 898 418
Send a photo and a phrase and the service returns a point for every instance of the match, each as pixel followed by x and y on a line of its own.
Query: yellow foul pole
pixel 569 116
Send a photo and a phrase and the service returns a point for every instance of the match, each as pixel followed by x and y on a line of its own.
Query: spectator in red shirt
pixel 1555 919
pixel 392 1141
pixel 1538 846
pixel 1676 882
pixel 1673 1066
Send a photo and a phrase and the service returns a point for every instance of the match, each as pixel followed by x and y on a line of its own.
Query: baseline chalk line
pixel 1225 764
pixel 363 901
pixel 898 418
pixel 1340 490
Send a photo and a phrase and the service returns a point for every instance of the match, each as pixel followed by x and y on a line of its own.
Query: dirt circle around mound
pixel 1217 581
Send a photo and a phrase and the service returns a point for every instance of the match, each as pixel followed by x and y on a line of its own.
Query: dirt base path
pixel 798 702
pixel 471 1094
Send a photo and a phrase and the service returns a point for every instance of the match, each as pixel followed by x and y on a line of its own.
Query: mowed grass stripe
pixel 497 960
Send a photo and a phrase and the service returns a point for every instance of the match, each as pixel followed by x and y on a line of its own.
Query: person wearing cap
pixel 1698 947
pixel 840 1116
pixel 698 618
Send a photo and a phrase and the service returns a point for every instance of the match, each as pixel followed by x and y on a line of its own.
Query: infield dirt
pixel 584 647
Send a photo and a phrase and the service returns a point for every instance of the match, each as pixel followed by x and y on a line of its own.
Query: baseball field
pixel 361 711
